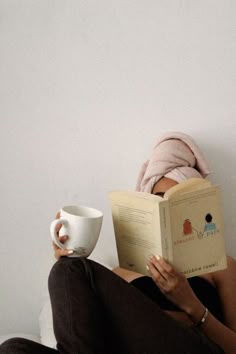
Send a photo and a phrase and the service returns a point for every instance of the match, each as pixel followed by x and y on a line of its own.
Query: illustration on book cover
pixel 210 228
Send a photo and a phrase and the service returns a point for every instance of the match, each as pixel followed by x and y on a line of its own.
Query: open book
pixel 185 227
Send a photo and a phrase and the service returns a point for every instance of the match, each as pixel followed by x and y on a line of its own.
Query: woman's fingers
pixel 171 282
pixel 162 273
pixel 59 252
pixel 156 275
pixel 58 228
pixel 164 268
pixel 62 239
pixel 62 252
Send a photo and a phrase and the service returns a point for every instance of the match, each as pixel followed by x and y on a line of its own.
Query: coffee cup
pixel 82 225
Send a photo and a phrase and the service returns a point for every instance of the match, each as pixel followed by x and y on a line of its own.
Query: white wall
pixel 85 88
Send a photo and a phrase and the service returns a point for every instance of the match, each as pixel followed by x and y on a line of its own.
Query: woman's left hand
pixel 172 283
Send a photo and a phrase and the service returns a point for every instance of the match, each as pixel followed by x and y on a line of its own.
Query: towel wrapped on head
pixel 175 156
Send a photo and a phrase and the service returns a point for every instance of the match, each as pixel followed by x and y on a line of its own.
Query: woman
pixel 99 311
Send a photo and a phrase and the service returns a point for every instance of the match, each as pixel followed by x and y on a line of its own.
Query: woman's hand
pixel 172 284
pixel 58 252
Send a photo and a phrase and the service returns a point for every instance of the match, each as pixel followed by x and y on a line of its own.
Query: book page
pixel 197 232
pixel 136 225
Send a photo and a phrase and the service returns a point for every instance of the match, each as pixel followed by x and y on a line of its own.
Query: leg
pixel 24 346
pixel 81 323
pixel 108 315
pixel 127 275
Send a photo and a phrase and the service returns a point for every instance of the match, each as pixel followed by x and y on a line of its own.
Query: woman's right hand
pixel 58 252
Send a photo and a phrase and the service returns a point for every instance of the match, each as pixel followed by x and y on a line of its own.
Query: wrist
pixel 197 313
pixel 203 318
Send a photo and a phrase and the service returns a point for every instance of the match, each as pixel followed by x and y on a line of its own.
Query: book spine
pixel 165 226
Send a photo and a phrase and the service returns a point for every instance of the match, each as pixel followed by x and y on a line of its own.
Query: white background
pixel 85 89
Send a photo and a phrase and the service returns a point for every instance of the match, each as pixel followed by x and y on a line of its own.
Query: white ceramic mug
pixel 82 225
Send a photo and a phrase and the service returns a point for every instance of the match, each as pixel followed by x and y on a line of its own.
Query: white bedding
pixel 33 337
pixel 46 325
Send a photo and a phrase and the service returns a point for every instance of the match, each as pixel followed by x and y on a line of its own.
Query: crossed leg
pixel 95 311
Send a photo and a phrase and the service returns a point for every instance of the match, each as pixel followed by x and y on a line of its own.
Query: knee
pixel 56 274
pixel 13 346
pixel 55 271
pixel 70 268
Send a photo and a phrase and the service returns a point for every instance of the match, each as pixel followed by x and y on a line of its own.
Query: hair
pixel 208 217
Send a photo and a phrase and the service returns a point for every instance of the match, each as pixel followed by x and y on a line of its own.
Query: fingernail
pixel 157 257
pixel 147 267
pixel 151 258
pixel 70 251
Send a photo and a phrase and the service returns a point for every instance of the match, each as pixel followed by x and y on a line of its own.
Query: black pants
pixel 95 311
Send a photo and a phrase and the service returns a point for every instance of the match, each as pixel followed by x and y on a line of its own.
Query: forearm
pixel 214 329
pixel 175 287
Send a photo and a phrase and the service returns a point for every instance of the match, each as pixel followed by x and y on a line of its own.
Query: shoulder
pixel 225 283
pixel 222 276
pixel 225 276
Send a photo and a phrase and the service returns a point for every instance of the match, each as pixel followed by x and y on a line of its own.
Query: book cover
pixel 185 227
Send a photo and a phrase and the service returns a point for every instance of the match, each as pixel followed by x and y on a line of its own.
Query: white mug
pixel 82 225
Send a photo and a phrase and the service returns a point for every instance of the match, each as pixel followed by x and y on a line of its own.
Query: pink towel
pixel 176 156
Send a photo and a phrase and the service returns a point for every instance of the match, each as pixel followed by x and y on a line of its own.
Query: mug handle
pixel 53 231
